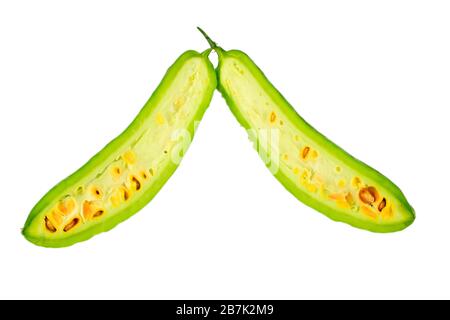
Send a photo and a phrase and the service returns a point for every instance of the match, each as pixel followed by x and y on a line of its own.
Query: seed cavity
pixel 49 225
pixel 71 224
pixel 382 205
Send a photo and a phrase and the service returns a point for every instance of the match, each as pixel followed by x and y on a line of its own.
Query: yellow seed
pixel 238 68
pixel 349 199
pixel 88 209
pixel 356 182
pixel 296 170
pixel 118 195
pixel 366 211
pixel 311 188
pixel 318 178
pixel 336 196
pixel 129 157
pixel 314 154
pixel 387 212
pixel 285 157
pixel 296 138
pixel 338 169
pixel 115 199
pixel 92 209
pixel 342 204
pixel 160 118
pixel 273 117
pixel 178 103
pixel 57 217
pixel 192 78
pixel 323 191
pixel 66 205
pixel 305 175
pixel 341 183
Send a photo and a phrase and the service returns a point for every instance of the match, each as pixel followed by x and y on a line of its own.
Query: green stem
pixel 206 52
pixel 212 44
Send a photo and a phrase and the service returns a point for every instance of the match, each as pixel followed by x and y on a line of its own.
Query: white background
pixel 374 76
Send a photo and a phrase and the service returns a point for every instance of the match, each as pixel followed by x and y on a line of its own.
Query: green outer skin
pixel 323 141
pixel 97 161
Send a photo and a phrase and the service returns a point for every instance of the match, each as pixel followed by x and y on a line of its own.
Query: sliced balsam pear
pixel 124 176
pixel 314 169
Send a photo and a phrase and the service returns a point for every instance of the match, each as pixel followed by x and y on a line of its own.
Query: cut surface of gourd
pixel 129 171
pixel 309 165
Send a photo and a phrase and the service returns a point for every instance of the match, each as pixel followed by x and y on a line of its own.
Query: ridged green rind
pixel 98 160
pixel 321 140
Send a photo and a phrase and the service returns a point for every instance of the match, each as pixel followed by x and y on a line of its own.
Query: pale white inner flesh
pixel 308 165
pixel 125 175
